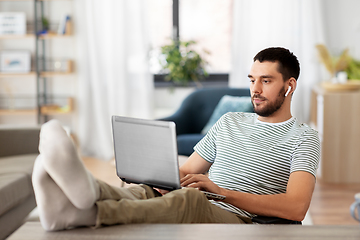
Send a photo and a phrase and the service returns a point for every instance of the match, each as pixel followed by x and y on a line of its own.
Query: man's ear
pixel 292 84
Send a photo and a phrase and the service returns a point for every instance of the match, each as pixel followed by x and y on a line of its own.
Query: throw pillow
pixel 228 104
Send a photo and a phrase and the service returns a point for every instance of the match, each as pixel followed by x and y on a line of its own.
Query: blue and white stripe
pixel 256 157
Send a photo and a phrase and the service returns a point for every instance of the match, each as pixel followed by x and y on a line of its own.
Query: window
pixel 209 23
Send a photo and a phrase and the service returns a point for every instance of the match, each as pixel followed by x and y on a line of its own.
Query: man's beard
pixel 271 107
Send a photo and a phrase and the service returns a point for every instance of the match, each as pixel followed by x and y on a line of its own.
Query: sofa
pixel 199 107
pixel 18 151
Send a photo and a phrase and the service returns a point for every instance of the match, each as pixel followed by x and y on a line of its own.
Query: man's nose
pixel 256 88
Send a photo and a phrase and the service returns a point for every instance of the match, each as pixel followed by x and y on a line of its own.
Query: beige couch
pixel 18 150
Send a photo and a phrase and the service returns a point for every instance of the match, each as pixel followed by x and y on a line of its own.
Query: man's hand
pixel 201 182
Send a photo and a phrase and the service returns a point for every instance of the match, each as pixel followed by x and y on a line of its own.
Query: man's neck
pixel 275 119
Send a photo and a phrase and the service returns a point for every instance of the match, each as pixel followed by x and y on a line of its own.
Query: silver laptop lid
pixel 146 152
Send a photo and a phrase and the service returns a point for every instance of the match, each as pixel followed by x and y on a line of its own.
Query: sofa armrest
pixel 19 140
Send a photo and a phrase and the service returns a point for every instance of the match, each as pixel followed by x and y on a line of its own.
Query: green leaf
pixel 183 63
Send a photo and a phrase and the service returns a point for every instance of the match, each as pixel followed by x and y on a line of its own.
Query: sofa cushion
pixel 18 164
pixel 14 189
pixel 228 104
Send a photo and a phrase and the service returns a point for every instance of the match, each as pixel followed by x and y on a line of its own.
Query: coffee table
pixel 33 230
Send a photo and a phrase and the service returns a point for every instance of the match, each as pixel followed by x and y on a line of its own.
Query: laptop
pixel 146 153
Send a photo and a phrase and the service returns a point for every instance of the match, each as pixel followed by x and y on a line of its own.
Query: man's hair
pixel 289 65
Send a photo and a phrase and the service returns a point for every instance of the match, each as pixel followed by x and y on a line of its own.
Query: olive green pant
pixel 139 204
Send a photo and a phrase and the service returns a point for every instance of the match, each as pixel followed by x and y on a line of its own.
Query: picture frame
pixel 12 23
pixel 18 61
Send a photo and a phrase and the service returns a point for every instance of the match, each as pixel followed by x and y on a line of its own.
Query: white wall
pixel 342 26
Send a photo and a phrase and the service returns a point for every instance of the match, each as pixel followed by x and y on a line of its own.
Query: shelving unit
pixel 17 75
pixel 17 36
pixel 45 106
pixel 17 112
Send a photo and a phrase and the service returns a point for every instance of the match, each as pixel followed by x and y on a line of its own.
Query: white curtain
pixel 296 25
pixel 114 78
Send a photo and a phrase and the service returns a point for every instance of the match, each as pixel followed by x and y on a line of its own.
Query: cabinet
pixel 48 90
pixel 336 116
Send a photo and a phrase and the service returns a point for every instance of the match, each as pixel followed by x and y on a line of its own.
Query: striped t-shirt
pixel 255 157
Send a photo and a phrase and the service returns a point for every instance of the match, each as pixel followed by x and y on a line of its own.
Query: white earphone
pixel 287 92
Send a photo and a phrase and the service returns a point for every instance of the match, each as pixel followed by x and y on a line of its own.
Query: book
pixel 64 25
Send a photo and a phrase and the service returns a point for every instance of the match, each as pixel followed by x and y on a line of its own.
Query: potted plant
pixel 344 70
pixel 332 64
pixel 182 63
pixel 353 69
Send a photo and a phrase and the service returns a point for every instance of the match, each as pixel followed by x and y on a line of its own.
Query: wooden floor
pixel 331 202
pixel 329 206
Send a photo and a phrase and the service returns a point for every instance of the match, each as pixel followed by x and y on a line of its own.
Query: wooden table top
pixel 33 230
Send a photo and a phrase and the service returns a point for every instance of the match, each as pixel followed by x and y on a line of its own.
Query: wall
pixel 342 26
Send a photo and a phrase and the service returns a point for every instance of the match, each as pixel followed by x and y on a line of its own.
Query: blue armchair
pixel 194 113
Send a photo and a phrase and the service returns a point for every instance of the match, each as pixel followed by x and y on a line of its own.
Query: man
pixel 263 162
